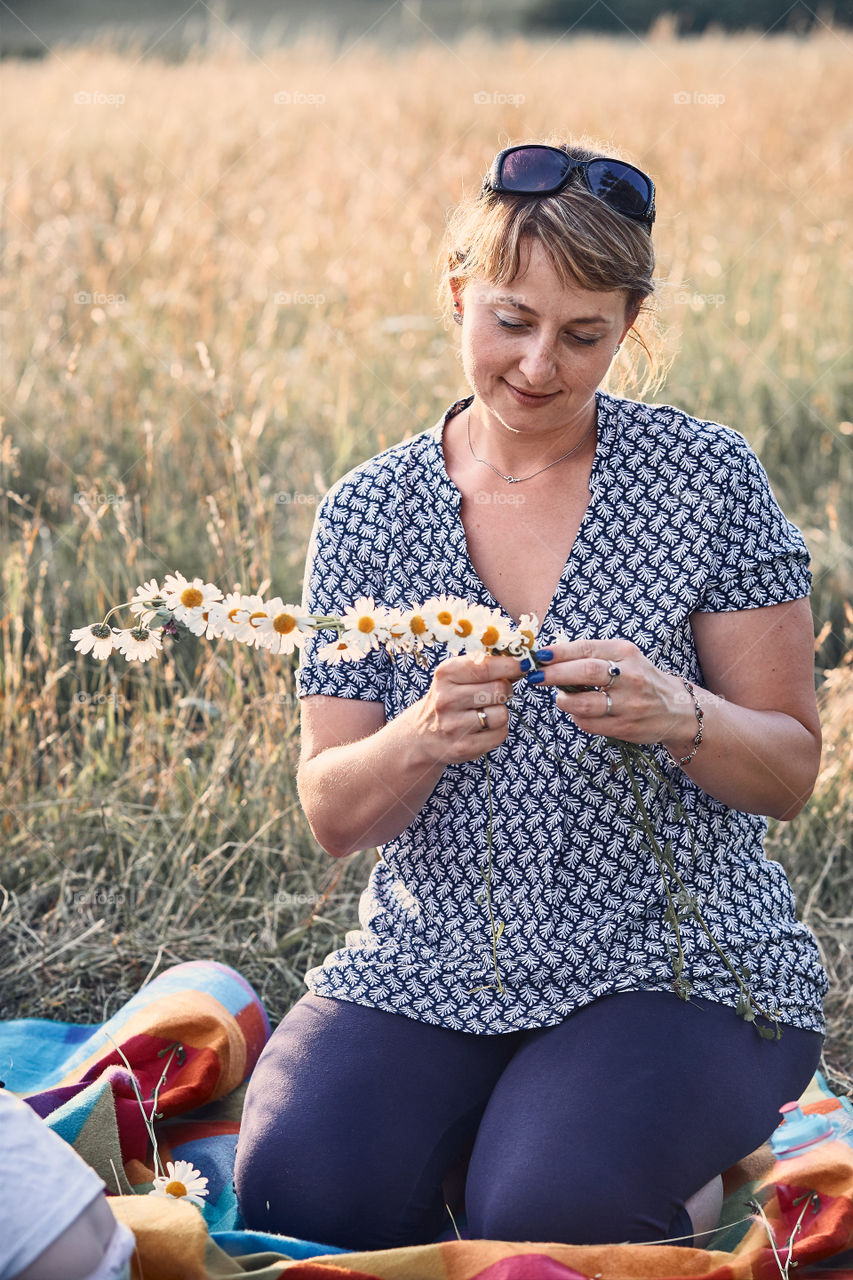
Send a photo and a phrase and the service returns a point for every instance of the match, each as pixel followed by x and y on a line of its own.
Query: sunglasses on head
pixel 537 170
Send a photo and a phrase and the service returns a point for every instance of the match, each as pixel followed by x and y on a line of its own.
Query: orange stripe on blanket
pixel 821 1108
pixel 467 1259
pixel 198 1021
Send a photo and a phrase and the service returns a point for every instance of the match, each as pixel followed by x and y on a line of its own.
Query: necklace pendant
pixel 512 479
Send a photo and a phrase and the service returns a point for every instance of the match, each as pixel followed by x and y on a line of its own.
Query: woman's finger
pixel 613 650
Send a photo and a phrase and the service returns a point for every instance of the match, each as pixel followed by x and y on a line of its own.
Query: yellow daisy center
pixel 231 613
pixel 445 617
pixel 464 627
pixel 191 597
pixel 283 623
pixel 259 613
pixel 417 626
pixel 365 624
pixel 175 1189
pixel 529 639
pixel 490 636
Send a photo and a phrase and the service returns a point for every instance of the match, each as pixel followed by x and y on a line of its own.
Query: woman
pixel 592 1102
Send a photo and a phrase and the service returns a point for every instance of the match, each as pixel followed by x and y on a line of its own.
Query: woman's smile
pixel 532 400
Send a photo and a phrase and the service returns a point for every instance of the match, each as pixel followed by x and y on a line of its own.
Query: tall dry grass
pixel 262 316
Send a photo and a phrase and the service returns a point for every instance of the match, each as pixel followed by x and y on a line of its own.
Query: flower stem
pixel 147 1120
pixel 629 751
pixel 488 880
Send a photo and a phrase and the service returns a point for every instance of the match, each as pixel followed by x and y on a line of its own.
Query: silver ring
pixel 481 715
pixel 613 671
pixel 609 706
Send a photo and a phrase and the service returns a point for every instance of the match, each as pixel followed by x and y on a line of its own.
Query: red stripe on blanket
pixel 254 1028
pixel 529 1266
pixel 190 1081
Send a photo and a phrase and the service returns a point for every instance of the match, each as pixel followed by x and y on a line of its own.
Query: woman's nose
pixel 538 362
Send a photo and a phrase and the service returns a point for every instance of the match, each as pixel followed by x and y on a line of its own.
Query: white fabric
pixel 44 1185
pixel 115 1264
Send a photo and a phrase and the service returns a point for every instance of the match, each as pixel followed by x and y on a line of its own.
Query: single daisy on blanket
pixel 182 1182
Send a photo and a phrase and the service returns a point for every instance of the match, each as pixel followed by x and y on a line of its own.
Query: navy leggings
pixel 592 1131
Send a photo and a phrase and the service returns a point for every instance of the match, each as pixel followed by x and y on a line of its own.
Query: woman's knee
pixel 296 1175
pixel 312 1193
pixel 584 1209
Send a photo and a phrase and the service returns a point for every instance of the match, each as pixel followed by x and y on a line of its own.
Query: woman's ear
pixel 457 290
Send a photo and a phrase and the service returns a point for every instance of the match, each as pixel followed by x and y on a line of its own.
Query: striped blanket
pixel 185 1046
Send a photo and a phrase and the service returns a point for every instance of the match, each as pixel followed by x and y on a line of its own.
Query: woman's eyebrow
pixel 522 306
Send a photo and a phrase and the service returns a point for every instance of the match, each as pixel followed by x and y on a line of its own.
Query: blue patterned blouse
pixel 681 518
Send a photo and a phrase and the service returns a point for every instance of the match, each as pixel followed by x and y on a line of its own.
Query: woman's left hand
pixel 639 704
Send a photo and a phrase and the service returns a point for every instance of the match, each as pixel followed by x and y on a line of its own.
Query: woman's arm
pixel 361 780
pixel 761 743
pixel 762 740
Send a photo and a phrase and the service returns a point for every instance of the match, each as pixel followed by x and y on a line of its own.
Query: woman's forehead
pixel 538 295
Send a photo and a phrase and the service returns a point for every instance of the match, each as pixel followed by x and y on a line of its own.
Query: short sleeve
pixel 758 556
pixel 340 566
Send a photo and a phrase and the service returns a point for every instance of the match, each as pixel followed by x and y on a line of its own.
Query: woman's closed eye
pixel 515 324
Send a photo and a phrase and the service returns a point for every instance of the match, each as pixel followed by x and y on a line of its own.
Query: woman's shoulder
pixel 706 443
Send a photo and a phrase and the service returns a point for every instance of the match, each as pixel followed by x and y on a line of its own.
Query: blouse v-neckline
pixel 447 488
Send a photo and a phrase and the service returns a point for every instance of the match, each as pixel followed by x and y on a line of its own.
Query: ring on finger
pixel 609 706
pixel 482 717
pixel 613 671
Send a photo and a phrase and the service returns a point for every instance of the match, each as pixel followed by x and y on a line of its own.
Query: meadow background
pixel 218 294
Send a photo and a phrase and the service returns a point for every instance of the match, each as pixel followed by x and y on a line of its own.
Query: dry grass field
pixel 218 295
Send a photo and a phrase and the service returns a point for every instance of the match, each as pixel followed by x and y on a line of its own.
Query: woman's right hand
pixel 446 720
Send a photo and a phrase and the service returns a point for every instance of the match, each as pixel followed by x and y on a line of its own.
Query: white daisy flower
pixel 188 600
pixel 183 1182
pixel 365 623
pixel 99 639
pixel 205 624
pixel 341 650
pixel 440 613
pixel 523 638
pixel 471 621
pixel 408 629
pixel 394 628
pixel 491 632
pixel 283 628
pixel 225 616
pixel 138 643
pixel 141 604
pixel 248 618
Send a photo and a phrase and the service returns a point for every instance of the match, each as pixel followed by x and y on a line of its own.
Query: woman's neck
pixel 522 453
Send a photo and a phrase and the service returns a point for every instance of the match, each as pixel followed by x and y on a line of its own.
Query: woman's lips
pixel 531 401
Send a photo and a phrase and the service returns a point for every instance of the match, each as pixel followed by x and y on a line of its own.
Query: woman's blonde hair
pixel 589 245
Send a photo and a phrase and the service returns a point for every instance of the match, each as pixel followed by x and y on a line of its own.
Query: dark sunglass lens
pixel 533 169
pixel 624 188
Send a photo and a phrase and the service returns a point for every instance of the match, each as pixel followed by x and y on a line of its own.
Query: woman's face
pixel 539 336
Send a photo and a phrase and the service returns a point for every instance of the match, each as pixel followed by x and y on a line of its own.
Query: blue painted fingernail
pixel 543 655
pixel 526 664
pixel 535 677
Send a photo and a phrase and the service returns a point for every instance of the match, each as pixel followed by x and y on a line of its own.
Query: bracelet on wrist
pixel 699 717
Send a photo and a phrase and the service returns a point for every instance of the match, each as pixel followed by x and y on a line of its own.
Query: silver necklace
pixel 518 479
